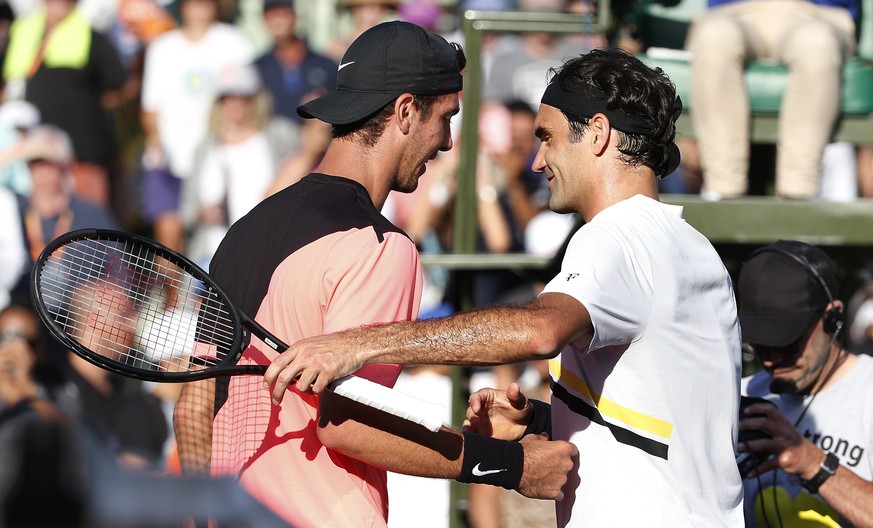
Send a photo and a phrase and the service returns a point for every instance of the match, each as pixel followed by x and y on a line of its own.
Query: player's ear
pixel 404 110
pixel 600 130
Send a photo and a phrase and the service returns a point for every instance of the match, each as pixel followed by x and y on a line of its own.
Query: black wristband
pixel 491 461
pixel 541 419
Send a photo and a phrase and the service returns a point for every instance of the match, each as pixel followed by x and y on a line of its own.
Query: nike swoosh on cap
pixel 481 472
pixel 341 66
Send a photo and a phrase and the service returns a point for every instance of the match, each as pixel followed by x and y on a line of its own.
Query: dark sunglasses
pixel 9 335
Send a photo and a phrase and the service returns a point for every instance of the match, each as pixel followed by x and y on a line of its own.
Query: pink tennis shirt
pixel 313 259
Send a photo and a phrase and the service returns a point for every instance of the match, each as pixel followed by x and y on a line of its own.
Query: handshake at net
pixel 530 463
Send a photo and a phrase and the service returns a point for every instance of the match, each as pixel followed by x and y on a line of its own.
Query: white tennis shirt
pixel 652 402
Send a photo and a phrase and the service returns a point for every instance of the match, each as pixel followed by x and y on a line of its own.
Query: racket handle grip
pixel 372 394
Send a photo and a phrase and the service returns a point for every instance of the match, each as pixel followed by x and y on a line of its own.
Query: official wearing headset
pixel 816 464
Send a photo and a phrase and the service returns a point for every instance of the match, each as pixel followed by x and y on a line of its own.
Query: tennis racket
pixel 134 307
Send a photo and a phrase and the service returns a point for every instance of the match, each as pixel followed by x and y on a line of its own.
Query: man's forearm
pixel 850 496
pixel 192 423
pixel 503 334
pixel 492 336
pixel 386 441
pixel 535 469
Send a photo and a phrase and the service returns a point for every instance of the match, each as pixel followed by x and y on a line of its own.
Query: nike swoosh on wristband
pixel 341 66
pixel 482 472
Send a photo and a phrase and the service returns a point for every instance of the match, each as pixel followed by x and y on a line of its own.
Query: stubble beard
pixel 406 185
pixel 794 386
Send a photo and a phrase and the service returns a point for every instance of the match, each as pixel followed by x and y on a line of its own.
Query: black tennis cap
pixel 778 297
pixel 386 61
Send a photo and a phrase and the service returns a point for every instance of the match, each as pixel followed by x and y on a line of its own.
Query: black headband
pixel 591 100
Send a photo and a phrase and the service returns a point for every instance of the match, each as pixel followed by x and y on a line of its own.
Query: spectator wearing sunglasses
pixel 20 347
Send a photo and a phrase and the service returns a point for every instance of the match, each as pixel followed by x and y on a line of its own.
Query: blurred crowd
pixel 173 118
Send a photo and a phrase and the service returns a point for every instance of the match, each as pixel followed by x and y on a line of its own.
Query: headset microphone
pixel 832 323
pixel 832 319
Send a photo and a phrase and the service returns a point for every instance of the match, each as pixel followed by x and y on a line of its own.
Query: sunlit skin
pixel 555 146
pixel 427 139
pixel 586 176
pixel 400 157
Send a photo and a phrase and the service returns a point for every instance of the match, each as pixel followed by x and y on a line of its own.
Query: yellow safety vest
pixel 68 44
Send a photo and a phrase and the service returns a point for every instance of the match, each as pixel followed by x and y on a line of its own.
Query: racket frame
pixel 243 326
pixel 364 391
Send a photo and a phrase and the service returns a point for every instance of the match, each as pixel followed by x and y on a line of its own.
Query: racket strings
pixel 126 303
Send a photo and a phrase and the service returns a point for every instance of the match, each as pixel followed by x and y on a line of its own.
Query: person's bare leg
pixel 865 171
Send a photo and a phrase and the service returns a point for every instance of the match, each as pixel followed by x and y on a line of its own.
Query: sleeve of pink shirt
pixel 368 285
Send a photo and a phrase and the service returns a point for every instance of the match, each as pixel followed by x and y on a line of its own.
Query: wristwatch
pixel 828 468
